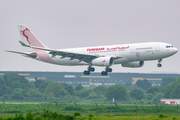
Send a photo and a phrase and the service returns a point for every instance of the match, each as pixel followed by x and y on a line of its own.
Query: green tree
pixel 33 94
pixel 100 89
pixel 149 96
pixel 118 92
pixel 95 96
pixel 3 88
pixel 167 81
pixel 129 86
pixel 153 90
pixel 137 94
pixel 71 97
pixel 83 93
pixel 157 97
pixel 175 93
pixel 29 86
pixel 43 87
pixel 29 116
pixel 144 84
pixel 9 77
pixel 79 87
pixel 5 96
pixel 69 88
pixel 11 81
pixel 162 89
pixel 63 93
pixel 37 82
pixel 17 94
pixel 169 89
pixel 56 90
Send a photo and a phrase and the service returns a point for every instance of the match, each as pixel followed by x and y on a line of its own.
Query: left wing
pixel 81 57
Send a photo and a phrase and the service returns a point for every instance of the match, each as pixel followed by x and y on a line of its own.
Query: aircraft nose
pixel 175 50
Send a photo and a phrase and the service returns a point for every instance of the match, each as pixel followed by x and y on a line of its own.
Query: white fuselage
pixel 125 52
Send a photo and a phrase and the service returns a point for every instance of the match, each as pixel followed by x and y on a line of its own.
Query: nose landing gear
pixel 159 63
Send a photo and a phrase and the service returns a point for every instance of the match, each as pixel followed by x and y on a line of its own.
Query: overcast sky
pixel 80 23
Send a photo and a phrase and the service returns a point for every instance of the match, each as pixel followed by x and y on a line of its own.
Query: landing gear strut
pixel 159 63
pixel 89 69
pixel 107 69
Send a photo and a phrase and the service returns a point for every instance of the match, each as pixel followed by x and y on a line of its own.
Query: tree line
pixel 13 86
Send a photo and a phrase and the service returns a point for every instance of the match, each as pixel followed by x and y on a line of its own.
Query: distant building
pixel 153 81
pixel 95 79
pixel 170 101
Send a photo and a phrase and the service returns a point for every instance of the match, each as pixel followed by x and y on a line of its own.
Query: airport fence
pixel 94 108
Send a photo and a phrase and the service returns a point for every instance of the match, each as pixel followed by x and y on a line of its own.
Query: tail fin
pixel 29 38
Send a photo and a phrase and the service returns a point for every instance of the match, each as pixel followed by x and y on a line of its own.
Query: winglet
pixel 23 44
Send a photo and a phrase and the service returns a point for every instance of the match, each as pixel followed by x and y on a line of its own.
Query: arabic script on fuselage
pixel 108 48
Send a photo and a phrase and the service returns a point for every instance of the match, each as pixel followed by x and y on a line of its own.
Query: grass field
pixel 103 111
pixel 107 117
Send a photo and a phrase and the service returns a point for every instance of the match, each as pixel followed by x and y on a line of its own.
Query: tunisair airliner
pixel 128 55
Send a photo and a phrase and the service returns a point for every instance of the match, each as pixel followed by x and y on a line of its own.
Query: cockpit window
pixel 169 46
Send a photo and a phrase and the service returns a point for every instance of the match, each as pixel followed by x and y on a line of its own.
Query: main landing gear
pixel 107 69
pixel 90 69
pixel 159 63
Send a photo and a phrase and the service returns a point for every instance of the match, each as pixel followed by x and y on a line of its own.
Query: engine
pixel 133 64
pixel 33 55
pixel 103 61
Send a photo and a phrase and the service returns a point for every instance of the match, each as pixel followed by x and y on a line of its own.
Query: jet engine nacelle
pixel 103 61
pixel 133 64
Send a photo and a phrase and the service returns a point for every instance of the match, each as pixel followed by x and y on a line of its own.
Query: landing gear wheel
pixel 159 65
pixel 108 69
pixel 104 73
pixel 86 72
pixel 89 69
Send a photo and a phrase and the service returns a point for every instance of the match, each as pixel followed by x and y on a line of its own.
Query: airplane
pixel 128 55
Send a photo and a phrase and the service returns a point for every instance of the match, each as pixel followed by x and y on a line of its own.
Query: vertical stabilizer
pixel 29 38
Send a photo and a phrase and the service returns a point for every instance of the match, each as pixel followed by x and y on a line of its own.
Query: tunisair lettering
pixel 95 49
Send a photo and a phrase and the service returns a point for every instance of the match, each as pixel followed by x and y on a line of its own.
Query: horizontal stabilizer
pixel 23 44
pixel 33 55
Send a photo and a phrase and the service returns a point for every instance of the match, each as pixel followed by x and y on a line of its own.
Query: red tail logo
pixel 23 33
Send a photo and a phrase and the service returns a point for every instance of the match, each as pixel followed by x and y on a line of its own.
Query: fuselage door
pixel 157 48
pixel 132 50
pixel 132 53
